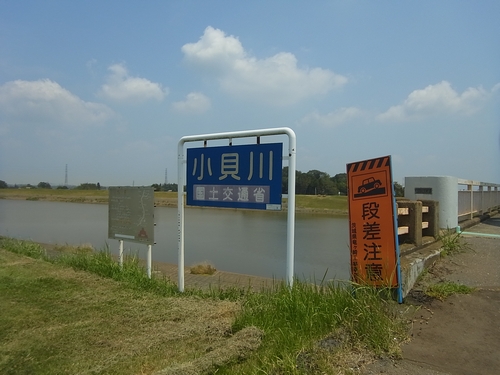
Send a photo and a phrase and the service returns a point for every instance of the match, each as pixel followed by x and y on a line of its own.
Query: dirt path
pixel 460 335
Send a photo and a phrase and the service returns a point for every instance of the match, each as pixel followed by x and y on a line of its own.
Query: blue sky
pixel 109 87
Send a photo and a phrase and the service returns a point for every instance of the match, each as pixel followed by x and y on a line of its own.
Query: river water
pixel 241 241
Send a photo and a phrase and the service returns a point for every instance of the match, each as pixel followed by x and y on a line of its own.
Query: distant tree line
pixel 164 187
pixel 316 182
pixel 313 182
pixel 89 186
pixel 46 185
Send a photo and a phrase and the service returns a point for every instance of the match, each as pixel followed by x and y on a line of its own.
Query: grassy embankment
pixel 57 195
pixel 79 313
pixel 327 204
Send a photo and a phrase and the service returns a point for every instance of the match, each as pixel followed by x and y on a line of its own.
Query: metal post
pixel 120 258
pixel 180 214
pixel 471 189
pixel 481 197
pixel 291 190
pixel 290 240
pixel 149 260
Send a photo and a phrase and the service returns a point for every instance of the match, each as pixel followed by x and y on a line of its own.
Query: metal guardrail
pixel 477 198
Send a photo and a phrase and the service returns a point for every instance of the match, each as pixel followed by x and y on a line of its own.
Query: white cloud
pixel 276 80
pixel 45 101
pixel 332 119
pixel 121 87
pixel 436 99
pixel 195 102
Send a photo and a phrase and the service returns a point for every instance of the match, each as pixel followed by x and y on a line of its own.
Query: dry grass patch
pixel 204 268
pixel 57 320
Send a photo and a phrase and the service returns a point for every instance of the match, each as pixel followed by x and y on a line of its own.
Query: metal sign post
pixel 258 168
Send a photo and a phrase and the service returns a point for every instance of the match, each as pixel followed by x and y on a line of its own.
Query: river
pixel 241 241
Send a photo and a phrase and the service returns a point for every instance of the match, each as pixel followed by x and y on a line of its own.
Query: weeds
pixel 294 320
pixel 443 290
pixel 452 242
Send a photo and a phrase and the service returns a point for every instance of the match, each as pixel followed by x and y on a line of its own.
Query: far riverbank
pixel 315 204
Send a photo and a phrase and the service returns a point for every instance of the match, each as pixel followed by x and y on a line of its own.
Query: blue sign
pixel 244 176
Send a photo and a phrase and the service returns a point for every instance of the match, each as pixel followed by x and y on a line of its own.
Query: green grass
pixel 320 203
pixel 41 193
pixel 452 242
pixel 301 324
pixel 71 321
pixel 71 195
pixel 57 319
pixel 103 264
pixel 443 290
pixel 28 248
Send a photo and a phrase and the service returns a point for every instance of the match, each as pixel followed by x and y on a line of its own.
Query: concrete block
pixel 432 217
pixel 412 265
pixel 413 220
pixel 443 189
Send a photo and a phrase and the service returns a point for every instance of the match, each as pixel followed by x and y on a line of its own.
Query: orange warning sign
pixel 372 232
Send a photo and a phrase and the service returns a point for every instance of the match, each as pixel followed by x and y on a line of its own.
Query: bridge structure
pixel 459 200
pixel 477 198
pixel 433 205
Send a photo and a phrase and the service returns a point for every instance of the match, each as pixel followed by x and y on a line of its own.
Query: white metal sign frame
pixel 181 173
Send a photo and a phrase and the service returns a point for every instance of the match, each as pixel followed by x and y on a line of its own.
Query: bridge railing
pixel 459 199
pixel 476 198
pixel 417 222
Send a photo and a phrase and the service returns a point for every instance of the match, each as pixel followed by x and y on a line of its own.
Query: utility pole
pixel 166 180
pixel 66 176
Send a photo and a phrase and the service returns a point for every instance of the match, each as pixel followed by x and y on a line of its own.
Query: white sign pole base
pixel 149 260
